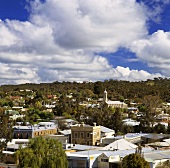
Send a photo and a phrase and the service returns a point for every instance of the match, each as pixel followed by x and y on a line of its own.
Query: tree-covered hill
pixel 117 90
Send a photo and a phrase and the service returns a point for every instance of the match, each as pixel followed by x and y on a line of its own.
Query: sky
pixel 83 40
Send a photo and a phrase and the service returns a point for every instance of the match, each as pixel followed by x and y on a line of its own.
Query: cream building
pixel 85 134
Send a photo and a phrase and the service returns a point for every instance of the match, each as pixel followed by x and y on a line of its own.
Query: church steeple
pixel 105 96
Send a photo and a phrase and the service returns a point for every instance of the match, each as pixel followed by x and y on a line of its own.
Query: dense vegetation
pixel 117 90
pixel 148 95
pixel 41 153
pixel 5 132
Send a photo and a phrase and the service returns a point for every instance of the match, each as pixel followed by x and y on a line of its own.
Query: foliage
pixel 6 131
pixel 151 103
pixel 149 94
pixel 34 115
pixel 42 153
pixel 127 129
pixel 165 164
pixel 134 161
pixel 159 128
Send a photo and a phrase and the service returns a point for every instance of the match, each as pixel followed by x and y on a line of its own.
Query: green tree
pixel 159 128
pixel 42 153
pixel 117 120
pixel 151 103
pixel 165 164
pixel 134 161
pixel 168 129
pixel 6 131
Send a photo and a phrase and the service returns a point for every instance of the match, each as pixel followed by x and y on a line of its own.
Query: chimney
pixel 94 124
pixel 82 124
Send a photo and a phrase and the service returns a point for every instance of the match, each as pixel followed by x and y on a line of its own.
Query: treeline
pixel 117 90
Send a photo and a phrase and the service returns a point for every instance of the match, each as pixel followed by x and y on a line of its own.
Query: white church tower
pixel 105 96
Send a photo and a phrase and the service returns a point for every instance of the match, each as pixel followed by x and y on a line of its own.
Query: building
pixel 100 158
pixel 85 134
pixel 41 129
pixel 157 158
pixel 114 104
pixel 120 144
pixel 106 131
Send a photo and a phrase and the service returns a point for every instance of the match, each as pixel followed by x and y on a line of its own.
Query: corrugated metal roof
pixel 105 129
pixel 120 144
pixel 157 155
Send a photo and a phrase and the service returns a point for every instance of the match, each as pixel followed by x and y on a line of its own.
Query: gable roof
pixel 120 144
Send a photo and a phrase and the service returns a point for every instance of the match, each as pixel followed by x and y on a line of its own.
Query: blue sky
pixel 49 40
pixel 13 9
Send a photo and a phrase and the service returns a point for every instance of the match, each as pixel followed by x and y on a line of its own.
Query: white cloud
pixel 93 25
pixel 17 74
pixel 59 40
pixel 155 51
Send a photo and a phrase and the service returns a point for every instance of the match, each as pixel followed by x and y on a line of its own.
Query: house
pixel 157 157
pixel 120 144
pixel 99 158
pixel 11 148
pixel 112 159
pixel 85 134
pixel 66 133
pixel 109 139
pixel 133 110
pixel 83 159
pixel 150 138
pixel 77 147
pixel 135 138
pixel 14 114
pixel 31 131
pixel 106 131
pixel 69 122
pixel 130 122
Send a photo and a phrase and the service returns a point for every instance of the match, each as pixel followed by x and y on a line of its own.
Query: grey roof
pixel 66 132
pixel 105 129
pixel 85 153
pixel 39 126
pixel 70 120
pixel 120 144
pixel 157 155
pixel 154 136
pixel 135 135
pixel 121 153
pixel 159 144
pixel 84 147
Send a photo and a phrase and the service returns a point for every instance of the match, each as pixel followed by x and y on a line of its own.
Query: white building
pixel 114 104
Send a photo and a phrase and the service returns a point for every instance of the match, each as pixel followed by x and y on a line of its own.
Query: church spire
pixel 105 96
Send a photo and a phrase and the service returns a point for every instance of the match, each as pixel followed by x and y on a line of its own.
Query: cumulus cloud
pixel 155 51
pixel 93 25
pixel 60 38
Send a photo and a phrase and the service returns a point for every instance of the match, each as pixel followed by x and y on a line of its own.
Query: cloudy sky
pixel 83 40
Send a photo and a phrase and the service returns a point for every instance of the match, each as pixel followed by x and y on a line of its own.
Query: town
pixel 94 126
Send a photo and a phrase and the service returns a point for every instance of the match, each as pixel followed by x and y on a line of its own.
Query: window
pixel 104 160
pixel 88 134
pixel 82 135
pixel 88 142
pixel 75 135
